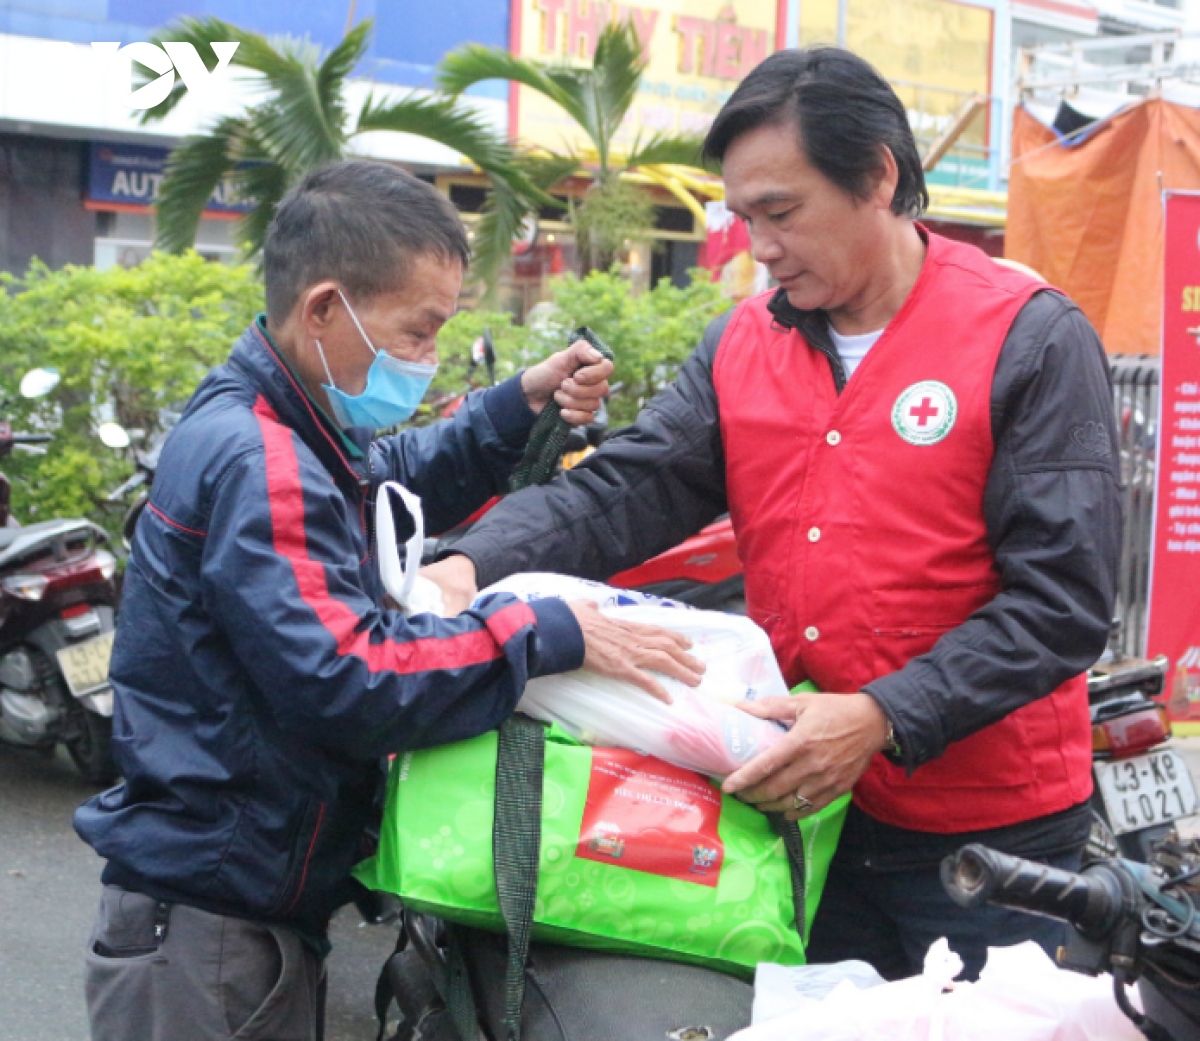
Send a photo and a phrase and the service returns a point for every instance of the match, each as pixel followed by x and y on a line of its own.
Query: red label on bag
pixel 644 814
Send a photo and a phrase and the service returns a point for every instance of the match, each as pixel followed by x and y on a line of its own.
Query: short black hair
pixel 361 223
pixel 843 109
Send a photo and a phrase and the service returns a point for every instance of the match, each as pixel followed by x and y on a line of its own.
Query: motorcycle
pixel 1141 786
pixel 1136 921
pixel 57 600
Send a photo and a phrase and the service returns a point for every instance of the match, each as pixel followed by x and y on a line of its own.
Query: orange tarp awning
pixel 1088 216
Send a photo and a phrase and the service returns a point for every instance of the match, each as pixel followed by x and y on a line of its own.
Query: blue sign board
pixel 131 175
pixel 407 41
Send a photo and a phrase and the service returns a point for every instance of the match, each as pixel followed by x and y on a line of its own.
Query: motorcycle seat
pixel 17 542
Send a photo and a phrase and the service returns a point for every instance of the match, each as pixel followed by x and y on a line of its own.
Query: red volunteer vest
pixel 859 520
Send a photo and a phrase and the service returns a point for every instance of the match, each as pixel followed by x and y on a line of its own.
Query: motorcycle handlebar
pixel 31 439
pixel 1092 902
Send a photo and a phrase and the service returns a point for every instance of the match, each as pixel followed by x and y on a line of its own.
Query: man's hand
pixel 631 652
pixel 576 378
pixel 455 577
pixel 829 747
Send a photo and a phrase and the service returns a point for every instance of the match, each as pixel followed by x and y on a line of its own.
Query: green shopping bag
pixel 634 855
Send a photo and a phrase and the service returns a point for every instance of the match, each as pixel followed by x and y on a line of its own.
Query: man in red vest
pixel 918 451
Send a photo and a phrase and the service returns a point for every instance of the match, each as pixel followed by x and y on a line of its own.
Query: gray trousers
pixel 159 972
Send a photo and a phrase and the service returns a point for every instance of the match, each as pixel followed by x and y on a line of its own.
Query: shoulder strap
pixel 516 847
pixel 793 842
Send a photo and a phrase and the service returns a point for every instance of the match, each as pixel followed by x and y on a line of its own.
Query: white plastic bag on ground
pixel 413 593
pixel 701 730
pixel 1021 996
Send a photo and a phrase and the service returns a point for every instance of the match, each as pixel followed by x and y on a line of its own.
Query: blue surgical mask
pixel 394 388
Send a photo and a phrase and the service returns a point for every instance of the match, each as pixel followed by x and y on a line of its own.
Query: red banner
pixel 1174 618
pixel 644 814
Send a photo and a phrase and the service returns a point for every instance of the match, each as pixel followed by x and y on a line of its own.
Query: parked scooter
pixel 1136 921
pixel 56 625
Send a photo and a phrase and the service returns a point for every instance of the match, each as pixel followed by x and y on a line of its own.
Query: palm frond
pixel 673 149
pixel 617 70
pixel 254 52
pixel 337 66
pixel 473 63
pixel 194 170
pixel 494 234
pixel 545 171
pixel 264 184
pixel 447 122
pixel 295 123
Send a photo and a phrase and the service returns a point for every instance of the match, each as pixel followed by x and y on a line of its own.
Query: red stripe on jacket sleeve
pixel 285 495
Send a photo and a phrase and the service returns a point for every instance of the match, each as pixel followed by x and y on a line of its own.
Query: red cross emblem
pixel 924 412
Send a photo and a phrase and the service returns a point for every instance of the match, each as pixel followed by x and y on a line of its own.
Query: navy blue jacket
pixel 258 680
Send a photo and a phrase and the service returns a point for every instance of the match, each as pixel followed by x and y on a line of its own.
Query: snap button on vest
pixel 812 633
pixel 814 534
pixel 833 437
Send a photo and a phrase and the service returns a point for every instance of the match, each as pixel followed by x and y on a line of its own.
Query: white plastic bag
pixel 779 989
pixel 1021 996
pixel 413 593
pixel 701 730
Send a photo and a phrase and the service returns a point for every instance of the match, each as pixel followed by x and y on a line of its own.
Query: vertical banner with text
pixel 1174 618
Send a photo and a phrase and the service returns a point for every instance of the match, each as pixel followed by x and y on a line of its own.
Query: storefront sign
pixel 935 53
pixel 698 51
pixel 1174 617
pixel 129 177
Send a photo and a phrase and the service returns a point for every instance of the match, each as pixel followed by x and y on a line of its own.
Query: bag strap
pixel 793 842
pixel 543 451
pixel 516 848
pixel 384 992
pixel 460 999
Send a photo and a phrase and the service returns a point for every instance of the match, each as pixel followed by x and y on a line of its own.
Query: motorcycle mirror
pixel 113 435
pixel 37 383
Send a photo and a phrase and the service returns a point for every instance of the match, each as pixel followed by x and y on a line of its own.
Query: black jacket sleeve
pixel 645 490
pixel 1053 512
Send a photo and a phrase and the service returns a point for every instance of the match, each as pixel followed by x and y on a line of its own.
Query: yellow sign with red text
pixel 698 51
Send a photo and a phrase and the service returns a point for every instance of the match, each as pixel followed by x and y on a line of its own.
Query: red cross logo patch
pixel 924 414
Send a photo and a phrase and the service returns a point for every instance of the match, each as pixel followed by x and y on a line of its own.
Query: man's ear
pixel 887 179
pixel 318 307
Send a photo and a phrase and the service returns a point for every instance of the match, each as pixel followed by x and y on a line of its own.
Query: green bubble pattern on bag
pixel 435 853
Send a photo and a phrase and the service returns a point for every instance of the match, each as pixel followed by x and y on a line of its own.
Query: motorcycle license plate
pixel 1146 790
pixel 85 664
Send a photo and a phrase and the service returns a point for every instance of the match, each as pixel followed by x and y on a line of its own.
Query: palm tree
pixel 598 99
pixel 304 121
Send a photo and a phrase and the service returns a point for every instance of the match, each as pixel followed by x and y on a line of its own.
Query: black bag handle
pixel 793 842
pixel 516 849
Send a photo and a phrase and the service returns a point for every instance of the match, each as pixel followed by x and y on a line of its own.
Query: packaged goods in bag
pixel 633 855
pixel 702 729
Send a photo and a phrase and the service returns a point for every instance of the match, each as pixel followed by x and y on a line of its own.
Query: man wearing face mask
pixel 259 680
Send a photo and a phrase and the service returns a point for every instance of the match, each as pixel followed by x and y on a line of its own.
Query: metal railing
pixel 1135 398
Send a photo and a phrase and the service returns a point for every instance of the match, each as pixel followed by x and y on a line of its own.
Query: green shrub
pixel 128 342
pixel 650 334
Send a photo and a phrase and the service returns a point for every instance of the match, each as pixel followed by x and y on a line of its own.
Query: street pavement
pixel 49 886
pixel 49 882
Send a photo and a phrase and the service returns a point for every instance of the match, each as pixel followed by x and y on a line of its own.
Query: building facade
pixel 79 172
